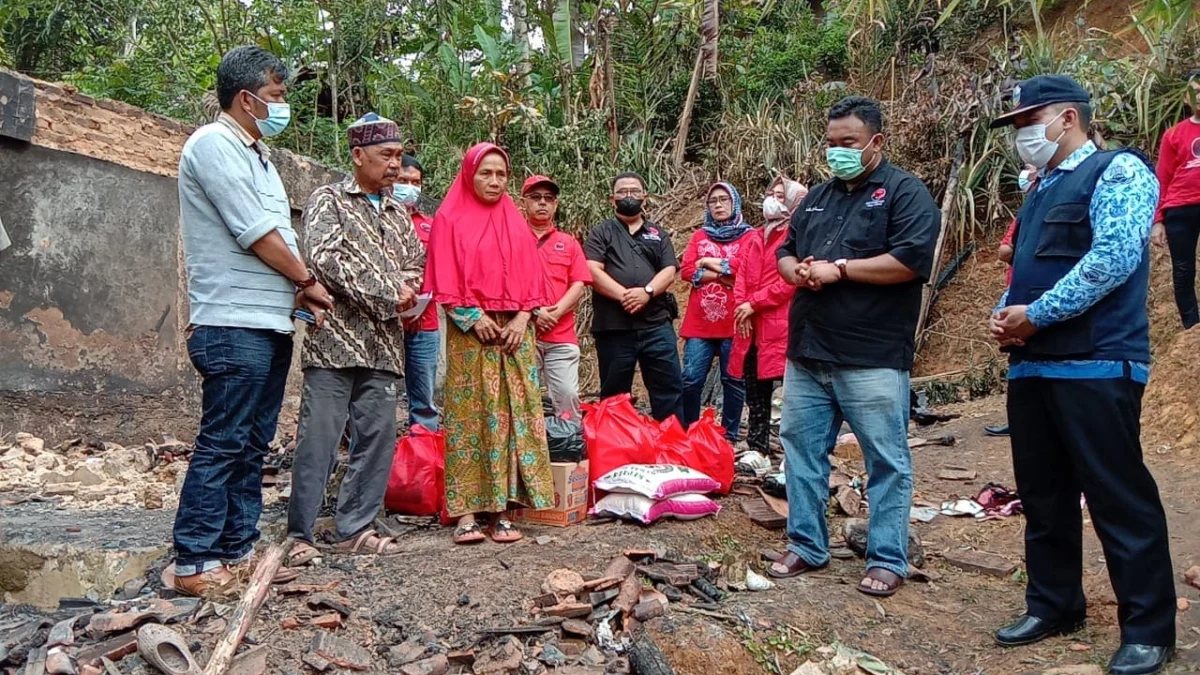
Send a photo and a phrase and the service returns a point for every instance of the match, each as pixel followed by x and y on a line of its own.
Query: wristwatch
pixel 310 281
pixel 841 265
pixel 649 290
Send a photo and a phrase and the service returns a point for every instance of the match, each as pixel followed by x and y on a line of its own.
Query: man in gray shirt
pixel 245 277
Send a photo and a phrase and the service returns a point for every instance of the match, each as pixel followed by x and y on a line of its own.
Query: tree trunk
pixel 578 37
pixel 520 21
pixel 685 119
pixel 710 34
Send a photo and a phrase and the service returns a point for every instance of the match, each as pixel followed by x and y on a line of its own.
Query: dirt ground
pixel 942 627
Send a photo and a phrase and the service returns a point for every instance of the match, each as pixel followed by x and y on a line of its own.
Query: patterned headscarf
pixel 729 230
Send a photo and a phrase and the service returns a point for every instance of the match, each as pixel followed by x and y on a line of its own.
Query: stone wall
pixel 93 300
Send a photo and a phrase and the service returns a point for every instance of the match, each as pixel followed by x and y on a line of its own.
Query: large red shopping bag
pixel 671 443
pixel 615 434
pixel 417 485
pixel 711 454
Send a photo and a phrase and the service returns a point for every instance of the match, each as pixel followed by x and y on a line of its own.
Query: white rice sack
pixel 656 481
pixel 645 510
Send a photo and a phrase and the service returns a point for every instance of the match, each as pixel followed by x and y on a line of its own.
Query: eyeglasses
pixel 636 194
pixel 538 198
pixel 717 201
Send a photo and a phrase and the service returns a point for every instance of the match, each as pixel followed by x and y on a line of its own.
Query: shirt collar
pixel 876 177
pixel 550 232
pixel 1076 158
pixel 351 187
pixel 243 136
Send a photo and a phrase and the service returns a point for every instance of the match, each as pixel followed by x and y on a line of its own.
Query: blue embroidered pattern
pixel 1121 211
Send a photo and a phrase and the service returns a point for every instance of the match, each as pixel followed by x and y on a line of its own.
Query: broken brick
pixel 114 649
pixel 562 583
pixel 435 665
pixel 252 662
pixel 325 601
pixel 569 610
pixel 603 597
pixel 848 500
pixel 316 662
pixel 330 621
pixel 464 657
pixel 290 623
pixel 620 567
pixel 405 653
pixel 504 658
pixel 981 562
pixel 576 627
pixel 547 600
pixel 301 589
pixel 341 653
pixel 648 609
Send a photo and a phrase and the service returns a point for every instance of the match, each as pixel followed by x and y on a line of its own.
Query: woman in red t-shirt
pixel 1177 223
pixel 710 264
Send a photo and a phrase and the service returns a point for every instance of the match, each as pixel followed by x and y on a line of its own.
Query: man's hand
pixel 798 275
pixel 513 332
pixel 635 300
pixel 408 298
pixel 486 330
pixel 743 312
pixel 822 273
pixel 547 319
pixel 303 302
pixel 318 295
pixel 1011 326
pixel 1158 234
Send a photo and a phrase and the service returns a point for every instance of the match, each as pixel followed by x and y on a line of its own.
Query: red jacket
pixel 760 284
pixel 710 306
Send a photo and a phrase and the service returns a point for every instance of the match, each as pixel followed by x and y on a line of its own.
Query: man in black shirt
pixel 633 264
pixel 859 248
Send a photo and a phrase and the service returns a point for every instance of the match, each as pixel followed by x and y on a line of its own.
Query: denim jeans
pixel 620 352
pixel 243 373
pixel 698 355
pixel 420 373
pixel 817 396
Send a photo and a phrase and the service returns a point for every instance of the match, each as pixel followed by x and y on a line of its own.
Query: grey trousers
pixel 558 365
pixel 331 396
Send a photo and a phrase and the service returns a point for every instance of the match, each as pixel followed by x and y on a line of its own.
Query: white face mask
pixel 772 209
pixel 406 194
pixel 1033 146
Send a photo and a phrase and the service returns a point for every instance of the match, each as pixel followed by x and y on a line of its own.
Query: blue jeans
pixel 817 396
pixel 243 373
pixel 698 355
pixel 420 372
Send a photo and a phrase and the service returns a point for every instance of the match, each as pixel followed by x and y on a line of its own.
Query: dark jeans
pixel 619 352
pixel 698 355
pixel 1072 436
pixel 244 372
pixel 758 405
pixel 1183 230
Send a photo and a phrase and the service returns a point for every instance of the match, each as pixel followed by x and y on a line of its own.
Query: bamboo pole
pixel 243 616
pixel 929 289
pixel 685 120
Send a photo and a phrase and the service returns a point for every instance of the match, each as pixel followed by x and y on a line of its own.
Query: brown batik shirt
pixel 363 256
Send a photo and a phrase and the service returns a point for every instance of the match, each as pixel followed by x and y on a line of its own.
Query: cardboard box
pixel 570 497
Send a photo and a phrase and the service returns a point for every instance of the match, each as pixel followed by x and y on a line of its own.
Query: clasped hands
pixel 812 273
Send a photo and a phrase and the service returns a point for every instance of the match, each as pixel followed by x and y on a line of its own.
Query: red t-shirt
pixel 565 264
pixel 1179 167
pixel 1007 240
pixel 423 225
pixel 710 307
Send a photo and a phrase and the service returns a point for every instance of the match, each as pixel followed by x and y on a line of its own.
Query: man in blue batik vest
pixel 1075 326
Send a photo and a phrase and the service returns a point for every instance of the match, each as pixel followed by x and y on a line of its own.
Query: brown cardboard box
pixel 570 497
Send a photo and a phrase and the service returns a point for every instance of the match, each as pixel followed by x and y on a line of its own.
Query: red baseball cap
pixel 534 181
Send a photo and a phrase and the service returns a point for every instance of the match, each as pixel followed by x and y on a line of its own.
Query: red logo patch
pixel 879 194
pixel 560 246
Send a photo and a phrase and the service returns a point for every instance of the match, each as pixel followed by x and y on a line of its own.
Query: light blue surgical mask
pixel 278 116
pixel 406 194
pixel 846 163
pixel 1025 179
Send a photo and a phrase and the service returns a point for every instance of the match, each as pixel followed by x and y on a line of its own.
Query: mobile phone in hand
pixel 305 316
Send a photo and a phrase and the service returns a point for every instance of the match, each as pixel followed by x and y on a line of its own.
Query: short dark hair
pixel 1082 107
pixel 247 67
pixel 409 162
pixel 862 107
pixel 627 174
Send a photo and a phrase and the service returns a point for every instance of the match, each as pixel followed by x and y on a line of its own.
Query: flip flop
pixel 302 554
pixel 166 650
pixel 469 534
pixel 358 545
pixel 503 532
pixel 794 564
pixel 893 581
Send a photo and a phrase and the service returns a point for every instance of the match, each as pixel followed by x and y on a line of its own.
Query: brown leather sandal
pixel 383 546
pixel 891 579
pixel 794 565
pixel 302 554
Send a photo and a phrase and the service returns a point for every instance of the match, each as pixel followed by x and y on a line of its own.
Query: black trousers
pixel 758 405
pixel 656 350
pixel 1072 436
pixel 1183 230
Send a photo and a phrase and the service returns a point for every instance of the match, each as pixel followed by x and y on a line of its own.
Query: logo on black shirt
pixel 651 234
pixel 877 198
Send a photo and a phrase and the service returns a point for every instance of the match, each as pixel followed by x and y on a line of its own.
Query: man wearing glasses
pixel 633 264
pixel 566 275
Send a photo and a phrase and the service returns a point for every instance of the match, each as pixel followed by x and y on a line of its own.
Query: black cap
pixel 1039 92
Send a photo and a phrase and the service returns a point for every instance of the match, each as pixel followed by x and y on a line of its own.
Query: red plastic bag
pixel 616 434
pixel 671 443
pixel 711 452
pixel 417 485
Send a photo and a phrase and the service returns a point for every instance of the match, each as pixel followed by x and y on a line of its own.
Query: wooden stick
pixel 685 119
pixel 646 658
pixel 939 376
pixel 243 616
pixel 929 289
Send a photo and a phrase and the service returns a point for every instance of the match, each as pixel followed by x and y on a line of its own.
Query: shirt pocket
pixel 867 237
pixel 1066 232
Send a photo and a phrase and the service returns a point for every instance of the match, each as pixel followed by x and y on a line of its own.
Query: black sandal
pixel 469 534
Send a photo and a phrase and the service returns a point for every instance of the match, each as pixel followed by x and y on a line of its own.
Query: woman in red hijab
pixel 482 269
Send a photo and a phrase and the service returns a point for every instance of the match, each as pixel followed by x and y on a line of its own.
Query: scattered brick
pixel 435 665
pixel 341 653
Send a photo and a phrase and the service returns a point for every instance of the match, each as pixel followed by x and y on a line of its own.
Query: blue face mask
pixel 406 194
pixel 278 116
pixel 1025 179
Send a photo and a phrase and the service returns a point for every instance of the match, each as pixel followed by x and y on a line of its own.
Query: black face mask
pixel 629 206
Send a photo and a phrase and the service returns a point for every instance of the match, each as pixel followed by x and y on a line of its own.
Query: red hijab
pixel 483 255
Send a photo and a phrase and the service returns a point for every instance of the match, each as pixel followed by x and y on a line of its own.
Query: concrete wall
pixel 92 293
